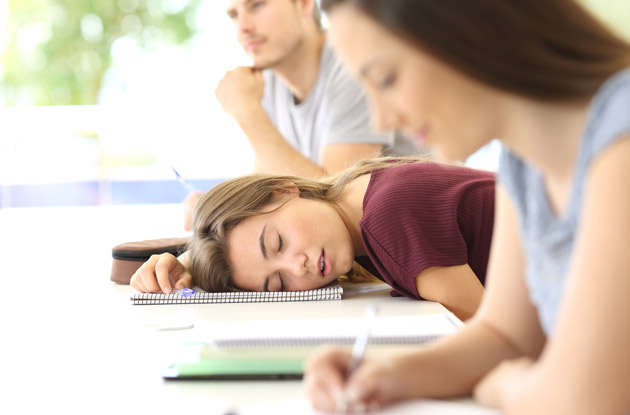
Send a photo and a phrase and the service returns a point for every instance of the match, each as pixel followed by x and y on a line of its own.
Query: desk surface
pixel 72 341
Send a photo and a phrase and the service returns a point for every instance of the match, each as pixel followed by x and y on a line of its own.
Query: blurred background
pixel 99 98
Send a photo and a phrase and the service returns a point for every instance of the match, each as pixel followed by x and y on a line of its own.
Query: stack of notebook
pixel 276 349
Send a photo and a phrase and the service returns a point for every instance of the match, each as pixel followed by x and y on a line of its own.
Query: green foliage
pixel 56 51
pixel 616 13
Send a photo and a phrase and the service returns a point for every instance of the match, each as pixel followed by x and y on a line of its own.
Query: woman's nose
pixel 383 117
pixel 296 265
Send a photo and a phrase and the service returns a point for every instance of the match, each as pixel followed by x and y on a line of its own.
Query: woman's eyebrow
pixel 261 241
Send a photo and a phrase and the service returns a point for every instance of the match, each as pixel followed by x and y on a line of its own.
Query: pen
pixel 362 340
pixel 188 185
pixel 358 351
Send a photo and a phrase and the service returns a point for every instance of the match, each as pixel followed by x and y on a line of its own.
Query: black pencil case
pixel 127 257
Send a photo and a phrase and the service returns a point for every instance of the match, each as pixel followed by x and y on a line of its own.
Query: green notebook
pixel 205 362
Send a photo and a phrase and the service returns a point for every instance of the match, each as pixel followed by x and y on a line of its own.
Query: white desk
pixel 72 343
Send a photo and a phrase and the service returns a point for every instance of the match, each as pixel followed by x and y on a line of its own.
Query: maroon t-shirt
pixel 422 215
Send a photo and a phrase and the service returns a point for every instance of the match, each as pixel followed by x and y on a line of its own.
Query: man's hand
pixel 240 91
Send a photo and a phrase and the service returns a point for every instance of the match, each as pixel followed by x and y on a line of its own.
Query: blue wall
pixel 98 193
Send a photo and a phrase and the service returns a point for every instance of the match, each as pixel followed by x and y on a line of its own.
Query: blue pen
pixel 188 185
pixel 187 292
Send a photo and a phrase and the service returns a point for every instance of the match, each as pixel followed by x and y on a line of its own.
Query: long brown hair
pixel 551 49
pixel 227 204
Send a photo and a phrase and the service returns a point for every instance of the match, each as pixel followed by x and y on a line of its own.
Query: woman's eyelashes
pixel 280 243
pixel 274 284
pixel 256 5
pixel 387 81
pixel 278 284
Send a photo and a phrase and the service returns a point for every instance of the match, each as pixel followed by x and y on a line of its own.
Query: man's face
pixel 268 30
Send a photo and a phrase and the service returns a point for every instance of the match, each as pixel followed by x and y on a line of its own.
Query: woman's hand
pixel 494 389
pixel 161 273
pixel 374 384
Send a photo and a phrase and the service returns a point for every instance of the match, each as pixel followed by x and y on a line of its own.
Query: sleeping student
pixel 424 228
pixel 552 335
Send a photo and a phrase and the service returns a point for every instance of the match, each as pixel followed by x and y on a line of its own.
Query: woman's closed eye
pixel 274 283
pixel 280 243
pixel 387 81
pixel 256 4
pixel 282 287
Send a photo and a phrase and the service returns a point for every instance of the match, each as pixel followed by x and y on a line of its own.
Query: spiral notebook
pixel 387 331
pixel 198 296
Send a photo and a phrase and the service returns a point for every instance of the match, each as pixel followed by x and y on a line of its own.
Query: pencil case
pixel 129 256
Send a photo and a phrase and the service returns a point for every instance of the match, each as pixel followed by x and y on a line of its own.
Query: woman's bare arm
pixel 588 353
pixel 457 288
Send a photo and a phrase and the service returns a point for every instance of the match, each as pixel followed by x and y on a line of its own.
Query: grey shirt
pixel 547 239
pixel 335 112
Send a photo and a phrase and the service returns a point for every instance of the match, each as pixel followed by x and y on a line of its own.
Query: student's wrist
pixel 249 113
pixel 407 366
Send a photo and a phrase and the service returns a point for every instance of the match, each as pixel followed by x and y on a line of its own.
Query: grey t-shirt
pixel 548 239
pixel 335 112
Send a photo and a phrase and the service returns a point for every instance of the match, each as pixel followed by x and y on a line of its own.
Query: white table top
pixel 72 341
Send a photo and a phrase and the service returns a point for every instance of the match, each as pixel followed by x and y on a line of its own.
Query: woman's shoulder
pixel 609 113
pixel 418 185
pixel 425 176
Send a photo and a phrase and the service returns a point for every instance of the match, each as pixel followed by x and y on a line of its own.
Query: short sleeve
pixel 426 229
pixel 610 114
pixel 512 173
pixel 348 113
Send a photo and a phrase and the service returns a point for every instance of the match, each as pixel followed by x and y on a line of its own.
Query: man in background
pixel 300 110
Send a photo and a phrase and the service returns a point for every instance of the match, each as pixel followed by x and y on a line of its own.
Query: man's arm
pixel 240 94
pixel 336 157
pixel 275 155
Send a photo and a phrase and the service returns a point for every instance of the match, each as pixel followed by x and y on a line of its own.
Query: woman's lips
pixel 327 267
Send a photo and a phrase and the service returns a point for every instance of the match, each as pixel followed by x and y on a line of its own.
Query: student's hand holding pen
pixel 161 273
pixel 337 380
pixel 373 385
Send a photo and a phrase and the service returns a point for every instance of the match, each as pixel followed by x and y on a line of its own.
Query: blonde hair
pixel 224 206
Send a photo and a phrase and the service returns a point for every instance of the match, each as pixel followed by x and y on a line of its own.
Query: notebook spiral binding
pixel 326 293
pixel 320 341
